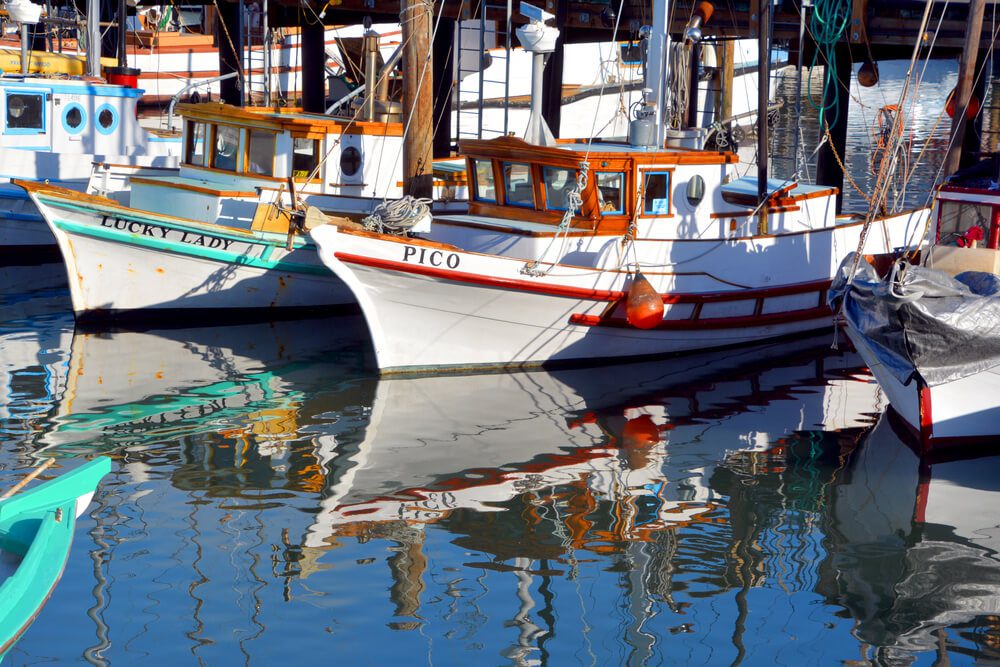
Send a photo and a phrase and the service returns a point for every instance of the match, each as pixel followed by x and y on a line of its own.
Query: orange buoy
pixel 705 11
pixel 644 308
pixel 970 112
pixel 868 74
pixel 640 431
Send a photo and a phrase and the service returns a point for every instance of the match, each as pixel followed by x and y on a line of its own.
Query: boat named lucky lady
pixel 218 234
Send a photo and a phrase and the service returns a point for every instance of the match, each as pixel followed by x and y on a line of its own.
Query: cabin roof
pixel 569 154
pixel 73 86
pixel 284 119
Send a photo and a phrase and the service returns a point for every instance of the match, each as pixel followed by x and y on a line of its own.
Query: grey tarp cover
pixel 944 328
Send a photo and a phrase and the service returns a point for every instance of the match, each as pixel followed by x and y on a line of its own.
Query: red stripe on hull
pixel 711 323
pixel 583 293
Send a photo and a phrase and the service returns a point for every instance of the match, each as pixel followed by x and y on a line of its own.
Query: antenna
pixel 535 14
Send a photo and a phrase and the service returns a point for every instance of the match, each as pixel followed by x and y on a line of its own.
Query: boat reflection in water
pixel 915 547
pixel 723 509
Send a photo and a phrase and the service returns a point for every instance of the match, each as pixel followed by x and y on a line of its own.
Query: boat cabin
pixel 967 235
pixel 668 193
pixel 76 116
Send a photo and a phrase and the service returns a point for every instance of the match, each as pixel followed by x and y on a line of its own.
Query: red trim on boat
pixel 756 320
pixel 926 414
pixel 583 293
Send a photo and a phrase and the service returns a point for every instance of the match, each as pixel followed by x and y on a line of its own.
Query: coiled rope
pixel 827 25
pixel 397 217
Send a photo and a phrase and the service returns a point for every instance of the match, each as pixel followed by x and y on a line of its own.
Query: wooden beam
pixel 856 31
pixel 966 81
pixel 418 103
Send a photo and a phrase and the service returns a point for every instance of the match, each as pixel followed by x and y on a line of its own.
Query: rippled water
pixel 271 501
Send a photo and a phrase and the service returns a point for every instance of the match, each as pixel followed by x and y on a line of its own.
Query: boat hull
pixel 120 260
pixel 37 526
pixel 959 412
pixel 432 307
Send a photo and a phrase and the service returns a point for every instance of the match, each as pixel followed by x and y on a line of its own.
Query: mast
pixel 93 38
pixel 763 95
pixel 418 102
pixel 656 67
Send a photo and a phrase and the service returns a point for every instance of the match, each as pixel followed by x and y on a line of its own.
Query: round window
pixel 695 190
pixel 73 118
pixel 350 161
pixel 106 118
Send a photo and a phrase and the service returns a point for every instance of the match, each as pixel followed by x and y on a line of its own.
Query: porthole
pixel 107 119
pixel 350 161
pixel 73 118
pixel 695 190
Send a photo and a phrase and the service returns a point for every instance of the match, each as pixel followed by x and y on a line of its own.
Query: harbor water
pixel 273 501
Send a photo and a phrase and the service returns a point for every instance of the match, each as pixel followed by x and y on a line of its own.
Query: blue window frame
pixel 656 193
pixel 107 119
pixel 611 192
pixel 558 182
pixel 25 112
pixel 486 189
pixel 74 118
pixel 518 188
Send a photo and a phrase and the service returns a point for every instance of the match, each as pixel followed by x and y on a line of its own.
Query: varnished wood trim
pixel 173 185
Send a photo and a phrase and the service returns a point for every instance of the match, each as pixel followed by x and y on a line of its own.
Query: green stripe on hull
pixel 188 249
pixel 272 239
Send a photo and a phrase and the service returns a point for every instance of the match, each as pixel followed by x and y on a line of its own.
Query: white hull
pixel 145 261
pixel 960 409
pixel 431 308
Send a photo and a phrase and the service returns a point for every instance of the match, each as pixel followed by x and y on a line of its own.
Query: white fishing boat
pixel 929 331
pixel 223 233
pixel 593 250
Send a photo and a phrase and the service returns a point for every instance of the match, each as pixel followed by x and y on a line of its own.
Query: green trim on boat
pixel 189 249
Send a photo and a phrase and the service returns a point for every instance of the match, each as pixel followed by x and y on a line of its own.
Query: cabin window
pixel 305 156
pixel 107 119
pixel 485 187
pixel 261 153
pixel 610 189
pixel 25 112
pixel 194 149
pixel 558 183
pixel 656 193
pixel 517 184
pixel 73 118
pixel 227 141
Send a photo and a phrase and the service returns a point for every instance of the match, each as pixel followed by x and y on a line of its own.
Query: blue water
pixel 273 502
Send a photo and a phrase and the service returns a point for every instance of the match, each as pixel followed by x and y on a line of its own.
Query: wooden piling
pixel 444 85
pixel 963 91
pixel 831 153
pixel 418 103
pixel 313 66
pixel 229 37
pixel 552 81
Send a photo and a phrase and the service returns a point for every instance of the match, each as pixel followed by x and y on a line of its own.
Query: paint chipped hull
pixel 121 260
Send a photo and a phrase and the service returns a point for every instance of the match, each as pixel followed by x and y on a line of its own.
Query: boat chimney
pixel 540 40
pixel 370 55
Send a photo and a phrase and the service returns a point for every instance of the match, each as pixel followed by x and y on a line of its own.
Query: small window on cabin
pixel 305 156
pixel 610 189
pixel 486 189
pixel 24 112
pixel 227 143
pixel 558 183
pixel 261 153
pixel 194 150
pixel 656 193
pixel 517 184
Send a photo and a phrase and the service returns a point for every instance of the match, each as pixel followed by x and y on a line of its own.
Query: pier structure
pixel 883 30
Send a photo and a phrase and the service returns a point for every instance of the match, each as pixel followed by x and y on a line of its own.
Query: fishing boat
pixel 928 329
pixel 226 231
pixel 595 250
pixel 36 532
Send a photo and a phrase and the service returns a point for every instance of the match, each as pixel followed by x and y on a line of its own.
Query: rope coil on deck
pixel 397 217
